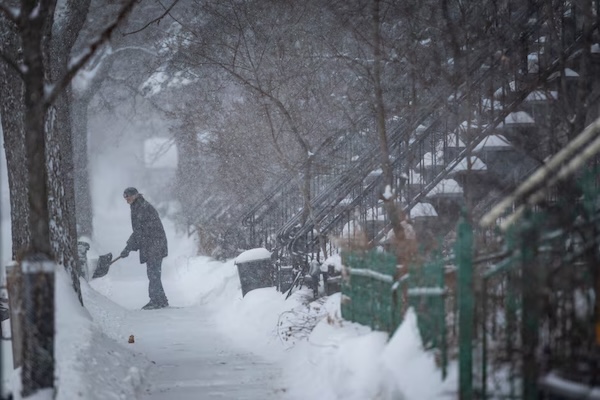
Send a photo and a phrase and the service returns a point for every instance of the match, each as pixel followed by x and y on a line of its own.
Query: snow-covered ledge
pixel 257 254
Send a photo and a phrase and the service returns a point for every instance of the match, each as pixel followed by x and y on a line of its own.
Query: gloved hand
pixel 125 252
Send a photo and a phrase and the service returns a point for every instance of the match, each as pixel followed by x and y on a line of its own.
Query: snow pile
pixel 471 164
pixel 516 118
pixel 89 364
pixel 256 254
pixel 414 370
pixel 335 260
pixel 259 314
pixel 423 210
pixel 345 360
pixel 492 142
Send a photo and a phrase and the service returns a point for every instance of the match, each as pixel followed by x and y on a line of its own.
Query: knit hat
pixel 130 191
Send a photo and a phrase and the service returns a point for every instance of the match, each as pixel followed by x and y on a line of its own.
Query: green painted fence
pixel 521 321
pixel 369 294
pixel 535 304
pixel 373 296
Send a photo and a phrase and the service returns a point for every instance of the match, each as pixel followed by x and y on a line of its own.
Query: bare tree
pixel 282 85
pixel 133 55
pixel 59 140
pixel 32 31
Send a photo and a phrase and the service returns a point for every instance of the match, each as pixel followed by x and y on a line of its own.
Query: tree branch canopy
pixel 88 54
pixel 157 19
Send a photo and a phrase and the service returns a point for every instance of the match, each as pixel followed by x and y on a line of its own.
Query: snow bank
pixel 327 358
pixel 253 255
pixel 412 369
pixel 258 313
pixel 89 364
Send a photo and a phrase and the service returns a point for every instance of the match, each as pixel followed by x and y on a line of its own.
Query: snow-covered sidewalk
pixel 186 351
pixel 191 360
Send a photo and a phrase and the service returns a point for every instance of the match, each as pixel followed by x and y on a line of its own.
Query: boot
pixel 154 306
pixel 149 306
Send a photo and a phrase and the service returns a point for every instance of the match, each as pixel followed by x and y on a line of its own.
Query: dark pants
pixel 155 287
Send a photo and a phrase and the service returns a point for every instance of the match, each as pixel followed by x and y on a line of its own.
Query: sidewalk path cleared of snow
pixel 193 361
pixel 189 356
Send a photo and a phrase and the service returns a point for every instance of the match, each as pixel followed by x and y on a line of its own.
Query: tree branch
pixel 86 56
pixel 167 10
pixel 10 14
pixel 12 63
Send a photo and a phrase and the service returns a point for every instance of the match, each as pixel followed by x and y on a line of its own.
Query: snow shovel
pixel 104 262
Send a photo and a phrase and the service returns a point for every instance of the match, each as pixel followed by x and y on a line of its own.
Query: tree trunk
pixel 12 94
pixel 61 188
pixel 35 141
pixel 74 146
pixel 83 198
pixel 38 319
pixel 393 210
pixel 60 144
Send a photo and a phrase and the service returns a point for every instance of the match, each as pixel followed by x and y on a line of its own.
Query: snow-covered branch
pixel 134 48
pixel 12 14
pixel 79 62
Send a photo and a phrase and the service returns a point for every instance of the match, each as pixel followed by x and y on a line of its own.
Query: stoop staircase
pixel 467 148
pixel 444 160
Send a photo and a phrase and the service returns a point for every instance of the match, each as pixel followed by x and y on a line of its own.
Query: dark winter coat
pixel 148 233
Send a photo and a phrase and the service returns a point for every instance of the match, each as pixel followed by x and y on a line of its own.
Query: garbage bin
pixel 255 269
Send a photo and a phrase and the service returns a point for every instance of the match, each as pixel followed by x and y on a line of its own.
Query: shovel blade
pixel 103 265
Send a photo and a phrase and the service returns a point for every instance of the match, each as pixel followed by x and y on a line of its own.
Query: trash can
pixel 255 269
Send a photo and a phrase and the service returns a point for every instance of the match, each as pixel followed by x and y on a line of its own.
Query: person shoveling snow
pixel 149 238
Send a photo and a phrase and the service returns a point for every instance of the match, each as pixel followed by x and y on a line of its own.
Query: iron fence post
pixel 484 334
pixel 464 259
pixel 442 321
pixel 529 307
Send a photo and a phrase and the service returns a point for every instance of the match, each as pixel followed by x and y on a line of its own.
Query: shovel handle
pixel 113 261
